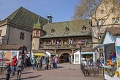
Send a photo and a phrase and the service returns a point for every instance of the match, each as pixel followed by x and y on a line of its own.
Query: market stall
pixel 111 50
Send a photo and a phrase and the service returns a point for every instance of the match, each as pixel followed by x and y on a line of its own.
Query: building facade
pixel 17 28
pixel 63 39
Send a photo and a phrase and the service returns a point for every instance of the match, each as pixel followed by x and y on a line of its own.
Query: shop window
pixel 22 35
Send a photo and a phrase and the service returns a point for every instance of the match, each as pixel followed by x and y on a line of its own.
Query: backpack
pixel 19 63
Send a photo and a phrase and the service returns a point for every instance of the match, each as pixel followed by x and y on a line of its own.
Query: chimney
pixel 49 19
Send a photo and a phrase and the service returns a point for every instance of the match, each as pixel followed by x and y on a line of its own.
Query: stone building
pixel 17 27
pixel 62 39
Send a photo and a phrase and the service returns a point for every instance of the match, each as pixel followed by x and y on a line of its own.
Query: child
pixel 8 71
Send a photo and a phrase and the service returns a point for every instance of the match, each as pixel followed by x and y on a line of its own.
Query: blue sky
pixel 60 10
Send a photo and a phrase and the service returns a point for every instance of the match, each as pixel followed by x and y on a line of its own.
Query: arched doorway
pixel 64 58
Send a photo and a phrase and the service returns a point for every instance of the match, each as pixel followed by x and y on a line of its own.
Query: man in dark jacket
pixel 8 71
pixel 47 62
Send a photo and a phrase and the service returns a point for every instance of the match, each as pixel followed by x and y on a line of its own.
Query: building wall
pixel 35 43
pixel 13 35
pixel 107 8
pixel 108 21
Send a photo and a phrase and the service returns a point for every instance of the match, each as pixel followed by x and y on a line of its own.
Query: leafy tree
pixel 91 9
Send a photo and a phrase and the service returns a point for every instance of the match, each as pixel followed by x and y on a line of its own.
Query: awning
pixel 102 45
pixel 39 54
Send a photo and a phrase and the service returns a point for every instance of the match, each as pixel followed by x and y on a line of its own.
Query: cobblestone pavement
pixel 64 72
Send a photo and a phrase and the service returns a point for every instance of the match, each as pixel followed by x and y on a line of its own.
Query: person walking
pixel 91 61
pixel 70 59
pixel 53 60
pixel 33 62
pixel 56 61
pixel 47 62
pixel 41 62
pixel 50 62
pixel 38 63
pixel 19 67
pixel 13 65
pixel 8 71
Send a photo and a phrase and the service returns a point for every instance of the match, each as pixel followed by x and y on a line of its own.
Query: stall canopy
pixel 102 45
pixel 39 54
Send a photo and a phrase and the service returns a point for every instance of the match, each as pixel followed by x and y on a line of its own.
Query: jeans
pixel 33 65
pixel 55 65
pixel 13 70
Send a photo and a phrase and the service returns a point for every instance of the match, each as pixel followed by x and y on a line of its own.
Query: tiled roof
pixel 115 31
pixel 74 29
pixel 26 18
pixel 10 47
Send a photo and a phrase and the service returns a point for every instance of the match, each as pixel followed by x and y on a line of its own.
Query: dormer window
pixel 52 30
pixel 67 30
pixel 83 28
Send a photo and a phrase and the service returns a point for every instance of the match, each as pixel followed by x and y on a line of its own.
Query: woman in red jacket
pixel 13 64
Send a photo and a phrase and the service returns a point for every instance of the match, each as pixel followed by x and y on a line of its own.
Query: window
pixel 31 38
pixel 0 32
pixel 22 35
pixel 52 30
pixel 116 20
pixel 113 20
pixel 101 21
pixel 83 28
pixel 102 11
pixel 37 33
pixel 67 30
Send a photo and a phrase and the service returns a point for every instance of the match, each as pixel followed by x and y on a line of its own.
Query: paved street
pixel 64 72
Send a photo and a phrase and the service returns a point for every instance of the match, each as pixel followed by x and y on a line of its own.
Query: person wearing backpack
pixel 33 62
pixel 19 68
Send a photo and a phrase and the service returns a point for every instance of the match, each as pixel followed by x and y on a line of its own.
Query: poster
pixel 118 55
pixel 118 50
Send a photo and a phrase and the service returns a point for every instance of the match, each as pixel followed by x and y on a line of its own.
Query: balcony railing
pixel 63 46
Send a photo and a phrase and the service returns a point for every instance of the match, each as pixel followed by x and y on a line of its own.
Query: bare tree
pixel 93 9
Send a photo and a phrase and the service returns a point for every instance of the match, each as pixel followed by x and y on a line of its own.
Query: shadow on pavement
pixel 29 77
pixel 26 72
pixel 60 67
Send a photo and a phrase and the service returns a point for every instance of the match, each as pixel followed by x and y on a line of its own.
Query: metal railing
pixel 92 70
